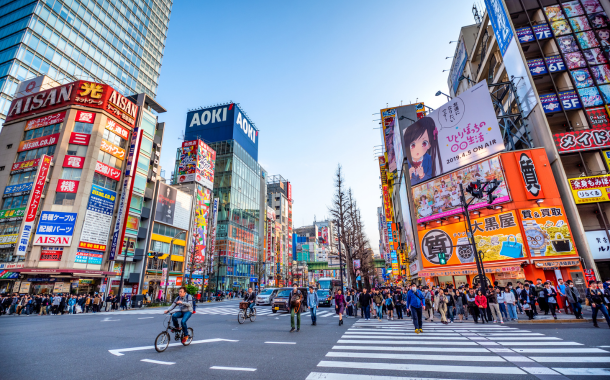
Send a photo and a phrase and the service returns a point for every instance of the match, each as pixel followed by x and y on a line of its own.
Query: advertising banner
pixel 173 207
pixel 441 197
pixel 133 222
pixel 79 138
pixel 555 63
pixel 586 139
pixel 98 219
pixel 117 129
pixel 55 228
pixel 112 149
pixel 542 31
pixel 8 239
pixel 45 121
pixel 525 34
pixel 599 244
pixel 550 103
pixel 107 171
pixel 16 190
pixel 51 253
pixel 606 154
pixel 388 120
pixel 202 211
pixel 25 166
pixel 590 189
pixel 84 117
pixel 457 133
pixel 529 176
pixel 76 162
pixel 458 64
pixel 206 165
pixel 12 214
pixel 498 236
pixel 537 66
pixel 409 238
pixel 598 117
pixel 33 203
pixel 67 186
pixel 38 142
pixel 569 100
pixel 547 232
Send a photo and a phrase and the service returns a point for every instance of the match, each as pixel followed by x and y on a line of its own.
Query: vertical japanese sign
pixel 202 199
pixel 531 181
pixel 213 231
pixel 33 203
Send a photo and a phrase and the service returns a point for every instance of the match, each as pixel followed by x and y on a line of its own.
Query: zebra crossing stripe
pixel 408 349
pixel 357 336
pixel 424 367
pixel 564 359
pixel 537 343
pixel 351 376
pixel 457 358
pixel 584 371
pixel 523 338
pixel 414 342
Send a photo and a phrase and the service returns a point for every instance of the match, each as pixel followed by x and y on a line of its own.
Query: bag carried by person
pixel 78 309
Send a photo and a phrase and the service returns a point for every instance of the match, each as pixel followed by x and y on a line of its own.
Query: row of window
pixel 36 153
pixel 105 182
pixel 156 264
pixel 115 139
pixel 44 131
pixel 10 228
pixel 81 127
pixel 110 160
pixel 162 229
pixel 26 177
pixel 162 247
pixel 15 202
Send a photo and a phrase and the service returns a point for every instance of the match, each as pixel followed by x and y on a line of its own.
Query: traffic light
pixel 442 258
pixel 475 189
pixel 493 185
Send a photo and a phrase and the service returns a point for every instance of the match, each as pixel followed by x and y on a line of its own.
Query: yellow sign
pixel 606 154
pixel 8 239
pixel 590 189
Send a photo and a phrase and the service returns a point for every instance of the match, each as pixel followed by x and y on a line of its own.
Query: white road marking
pixel 281 342
pixel 416 349
pixel 424 367
pixel 572 359
pixel 584 371
pixel 234 368
pixel 523 338
pixel 415 357
pixel 539 370
pixel 146 318
pixel 414 336
pixel 414 342
pixel 119 351
pixel 157 362
pixel 559 351
pixel 351 376
pixel 540 344
pixel 107 319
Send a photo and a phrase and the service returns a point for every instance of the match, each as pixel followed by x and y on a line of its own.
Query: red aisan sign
pixel 79 138
pixel 107 171
pixel 45 121
pixel 85 117
pixel 74 162
pixel 39 142
pixel 25 166
pixel 67 186
pixel 585 139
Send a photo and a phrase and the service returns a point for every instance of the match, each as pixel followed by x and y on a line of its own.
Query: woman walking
pixel 458 302
pixel 550 296
pixel 339 305
pixel 389 306
pixel 510 304
pixel 442 306
pixel 481 302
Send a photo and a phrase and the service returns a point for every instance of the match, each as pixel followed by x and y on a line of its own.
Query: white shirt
pixel 509 298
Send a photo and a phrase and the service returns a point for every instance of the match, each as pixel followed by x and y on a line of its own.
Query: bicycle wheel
pixel 190 339
pixel 253 315
pixel 241 316
pixel 162 341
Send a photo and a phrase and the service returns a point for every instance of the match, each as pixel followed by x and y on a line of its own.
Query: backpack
pixel 388 301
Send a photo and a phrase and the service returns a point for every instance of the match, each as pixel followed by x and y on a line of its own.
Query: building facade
pixel 279 198
pixel 119 42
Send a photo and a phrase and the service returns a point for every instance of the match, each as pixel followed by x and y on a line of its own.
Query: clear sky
pixel 312 76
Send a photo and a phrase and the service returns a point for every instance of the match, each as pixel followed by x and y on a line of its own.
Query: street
pixel 119 345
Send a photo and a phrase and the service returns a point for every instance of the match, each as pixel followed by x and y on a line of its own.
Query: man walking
pixel 312 303
pixel 573 297
pixel 294 300
pixel 596 300
pixel 562 289
pixel 378 301
pixel 365 304
pixel 415 302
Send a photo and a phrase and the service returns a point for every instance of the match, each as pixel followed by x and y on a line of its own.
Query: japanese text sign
pixel 547 232
pixel 531 180
pixel 38 142
pixel 107 171
pixel 74 162
pixel 25 166
pixel 55 228
pixel 113 149
pixel 114 127
pixel 85 117
pixel 45 121
pixel 98 218
pixel 590 189
pixel 67 186
pixel 586 139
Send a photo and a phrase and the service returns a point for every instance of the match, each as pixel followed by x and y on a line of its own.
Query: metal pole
pixel 123 273
pixel 167 259
pixel 479 263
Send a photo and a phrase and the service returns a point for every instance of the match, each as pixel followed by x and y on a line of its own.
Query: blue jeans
pixel 367 312
pixel 417 316
pixel 314 312
pixel 604 311
pixel 503 311
pixel 185 315
pixel 379 310
pixel 577 307
pixel 512 310
pixel 251 307
pixel 450 312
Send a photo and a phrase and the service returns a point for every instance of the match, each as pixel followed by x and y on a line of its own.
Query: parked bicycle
pixel 245 313
pixel 163 339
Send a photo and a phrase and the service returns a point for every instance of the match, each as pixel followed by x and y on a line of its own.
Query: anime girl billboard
pixel 461 131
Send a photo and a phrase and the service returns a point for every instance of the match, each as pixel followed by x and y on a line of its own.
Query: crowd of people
pixel 61 303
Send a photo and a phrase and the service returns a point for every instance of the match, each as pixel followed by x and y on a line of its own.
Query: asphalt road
pixel 120 346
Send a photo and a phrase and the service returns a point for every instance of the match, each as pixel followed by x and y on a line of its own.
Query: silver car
pixel 266 296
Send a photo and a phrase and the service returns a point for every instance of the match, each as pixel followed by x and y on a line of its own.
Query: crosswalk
pixel 386 350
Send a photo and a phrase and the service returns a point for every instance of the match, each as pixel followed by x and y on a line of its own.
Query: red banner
pixel 107 171
pixel 67 186
pixel 39 142
pixel 51 253
pixel 74 162
pixel 85 117
pixel 598 117
pixel 41 179
pixel 79 138
pixel 114 127
pixel 25 165
pixel 45 121
pixel 586 139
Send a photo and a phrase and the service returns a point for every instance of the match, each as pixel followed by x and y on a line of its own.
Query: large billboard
pixel 407 225
pixel 457 133
pixel 547 231
pixel 388 123
pixel 457 66
pixel 98 219
pixel 197 163
pixel 220 123
pixel 202 203
pixel 173 207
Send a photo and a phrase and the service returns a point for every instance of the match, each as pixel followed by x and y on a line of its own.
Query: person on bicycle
pixel 250 297
pixel 186 310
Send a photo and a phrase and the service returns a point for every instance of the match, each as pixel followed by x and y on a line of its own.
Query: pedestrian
pixel 539 289
pixel 295 298
pixel 349 299
pixel 516 292
pixel 561 290
pixel 606 292
pixel 573 297
pixel 312 303
pixel 509 304
pixel 492 304
pixel 595 297
pixel 398 302
pixel 442 306
pixel 378 302
pixel 365 304
pixel 528 300
pixel 429 303
pixel 459 299
pixel 415 303
pixel 340 305
pixel 501 303
pixel 472 306
pixel 390 306
pixel 481 301
pixel 550 297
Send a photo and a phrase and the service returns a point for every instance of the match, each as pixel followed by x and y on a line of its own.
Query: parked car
pixel 281 300
pixel 324 297
pixel 266 296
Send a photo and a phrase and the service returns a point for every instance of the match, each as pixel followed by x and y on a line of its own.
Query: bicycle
pixel 245 313
pixel 163 339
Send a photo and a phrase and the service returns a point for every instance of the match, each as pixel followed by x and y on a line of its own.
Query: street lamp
pixel 408 118
pixel 462 77
pixel 438 93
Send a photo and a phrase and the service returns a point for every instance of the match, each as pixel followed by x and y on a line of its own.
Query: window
pixel 71 173
pixel 10 228
pixel 149 124
pixel 146 147
pixel 176 266
pixel 76 150
pixel 110 160
pixel 36 153
pixel 178 250
pixel 15 202
pixel 143 163
pixel 104 182
pixel 83 127
pixel 139 184
pixel 159 246
pixel 115 139
pixel 22 178
pixel 44 131
pixel 65 199
pixel 136 202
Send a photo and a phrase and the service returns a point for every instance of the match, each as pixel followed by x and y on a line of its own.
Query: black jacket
pixel 595 296
pixel 250 297
pixel 365 299
pixel 525 293
pixel 550 293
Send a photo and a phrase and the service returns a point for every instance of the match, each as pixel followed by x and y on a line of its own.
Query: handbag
pixel 512 249
pixel 527 306
pixel 561 244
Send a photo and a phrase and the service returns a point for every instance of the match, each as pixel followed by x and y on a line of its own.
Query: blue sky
pixel 310 75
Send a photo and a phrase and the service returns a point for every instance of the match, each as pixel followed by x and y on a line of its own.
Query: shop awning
pixel 67 270
pixel 461 271
pixel 557 263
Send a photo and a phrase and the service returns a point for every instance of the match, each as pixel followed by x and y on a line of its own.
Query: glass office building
pixel 118 42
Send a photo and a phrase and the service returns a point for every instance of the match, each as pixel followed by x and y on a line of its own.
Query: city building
pixel 118 42
pixel 237 185
pixel 279 198
pixel 73 158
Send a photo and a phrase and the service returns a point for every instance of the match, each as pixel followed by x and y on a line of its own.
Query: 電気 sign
pixel 590 189
pixel 457 133
pixel 547 232
pixel 55 228
pixel 586 139
pixel 98 219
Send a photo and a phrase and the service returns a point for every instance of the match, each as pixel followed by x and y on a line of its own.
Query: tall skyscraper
pixel 118 42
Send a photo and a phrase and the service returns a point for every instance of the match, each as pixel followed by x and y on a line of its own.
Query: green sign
pixel 442 258
pixel 12 213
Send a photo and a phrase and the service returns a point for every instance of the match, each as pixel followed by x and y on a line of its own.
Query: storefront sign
pixel 555 63
pixel 542 31
pixel 133 223
pixel 606 154
pixel 590 189
pixel 87 256
pixel 98 219
pixel 497 236
pixel 25 166
pixel 586 139
pixel 11 265
pixel 599 244
pixel 550 103
pixel 51 253
pixel 15 190
pixel 557 264
pixel 32 206
pixel 589 275
pixel 8 239
pixel 38 142
pixel 569 100
pixel 76 162
pixel 45 121
pixel 547 232
pixel 525 34
pixel 107 171
pixel 12 214
pixel 43 100
pixel 25 287
pixel 55 228
pixel 112 149
pixel 529 176
pixel 85 117
pixel 462 272
pixel 537 66
pixel 79 138
pixel 598 117
pixel 67 186
pixel 114 127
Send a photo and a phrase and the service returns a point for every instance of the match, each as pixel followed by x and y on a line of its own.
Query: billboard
pixel 173 207
pixel 388 120
pixel 590 189
pixel 440 197
pixel 457 66
pixel 584 139
pixel 457 133
pixel 547 232
pixel 197 163
pixel 226 122
pixel 98 219
pixel 406 218
pixel 202 203
pixel 55 228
